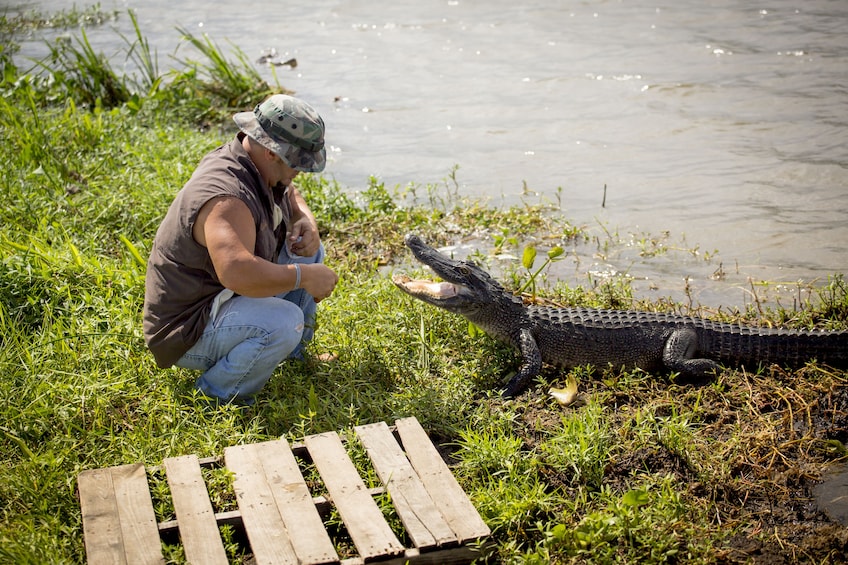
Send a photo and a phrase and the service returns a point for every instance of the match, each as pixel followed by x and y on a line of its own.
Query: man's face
pixel 282 172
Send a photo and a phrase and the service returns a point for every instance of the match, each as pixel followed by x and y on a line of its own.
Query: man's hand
pixel 304 239
pixel 318 280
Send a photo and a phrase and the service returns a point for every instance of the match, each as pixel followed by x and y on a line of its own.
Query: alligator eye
pixel 464 270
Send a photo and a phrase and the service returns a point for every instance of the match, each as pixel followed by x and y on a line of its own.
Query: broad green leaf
pixel 635 498
pixel 555 252
pixel 529 257
pixel 133 251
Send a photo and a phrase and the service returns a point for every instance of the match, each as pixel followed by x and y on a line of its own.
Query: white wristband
pixel 296 276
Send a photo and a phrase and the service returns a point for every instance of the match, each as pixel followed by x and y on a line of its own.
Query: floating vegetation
pixel 31 20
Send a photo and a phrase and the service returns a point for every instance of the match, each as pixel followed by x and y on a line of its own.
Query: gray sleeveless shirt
pixel 181 283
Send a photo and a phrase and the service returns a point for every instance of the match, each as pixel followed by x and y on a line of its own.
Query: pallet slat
pixel 364 521
pixel 198 527
pixel 305 528
pixel 117 507
pixel 265 527
pixel 454 504
pixel 138 521
pixel 420 516
pixel 101 528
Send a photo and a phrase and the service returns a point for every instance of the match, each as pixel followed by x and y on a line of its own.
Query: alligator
pixel 692 347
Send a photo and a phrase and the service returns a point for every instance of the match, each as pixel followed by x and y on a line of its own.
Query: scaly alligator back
pixel 569 337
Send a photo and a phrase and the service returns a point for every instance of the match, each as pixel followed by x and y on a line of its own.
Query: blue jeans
pixel 249 337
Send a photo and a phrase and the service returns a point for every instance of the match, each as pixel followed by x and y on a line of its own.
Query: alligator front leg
pixel 531 364
pixel 679 355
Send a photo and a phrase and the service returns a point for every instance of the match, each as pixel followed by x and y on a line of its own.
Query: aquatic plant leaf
pixel 555 252
pixel 529 257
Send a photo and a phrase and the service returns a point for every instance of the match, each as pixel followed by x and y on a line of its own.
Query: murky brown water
pixel 832 494
pixel 723 123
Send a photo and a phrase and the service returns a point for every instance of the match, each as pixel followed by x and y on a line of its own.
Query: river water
pixel 719 128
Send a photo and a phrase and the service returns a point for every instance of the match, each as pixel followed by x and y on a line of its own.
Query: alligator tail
pixel 752 347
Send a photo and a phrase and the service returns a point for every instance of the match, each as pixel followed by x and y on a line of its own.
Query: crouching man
pixel 236 269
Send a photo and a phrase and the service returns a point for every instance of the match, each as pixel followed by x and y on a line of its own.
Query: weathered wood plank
pixel 454 504
pixel 101 526
pixel 305 528
pixel 461 555
pixel 199 532
pixel 415 507
pixel 364 521
pixel 142 543
pixel 262 521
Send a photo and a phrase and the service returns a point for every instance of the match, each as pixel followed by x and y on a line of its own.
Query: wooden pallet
pixel 282 520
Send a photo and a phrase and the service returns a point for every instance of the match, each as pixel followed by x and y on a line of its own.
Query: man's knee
pixel 288 330
pixel 245 369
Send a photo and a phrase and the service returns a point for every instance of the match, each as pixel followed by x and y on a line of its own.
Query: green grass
pixel 640 469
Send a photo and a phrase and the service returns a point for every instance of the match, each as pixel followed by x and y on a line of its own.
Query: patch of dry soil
pixel 789 430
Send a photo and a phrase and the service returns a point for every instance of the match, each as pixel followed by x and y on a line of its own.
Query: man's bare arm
pixel 226 227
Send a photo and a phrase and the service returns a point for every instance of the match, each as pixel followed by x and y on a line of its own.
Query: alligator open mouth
pixel 418 287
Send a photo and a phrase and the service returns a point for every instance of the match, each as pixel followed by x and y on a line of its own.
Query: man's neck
pixel 257 154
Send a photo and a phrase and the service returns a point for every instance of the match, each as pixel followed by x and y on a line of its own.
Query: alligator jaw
pixel 424 288
pixel 467 289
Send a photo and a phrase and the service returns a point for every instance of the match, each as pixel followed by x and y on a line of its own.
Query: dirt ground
pixel 789 431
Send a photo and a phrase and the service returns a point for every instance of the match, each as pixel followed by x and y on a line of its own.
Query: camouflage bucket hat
pixel 289 127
